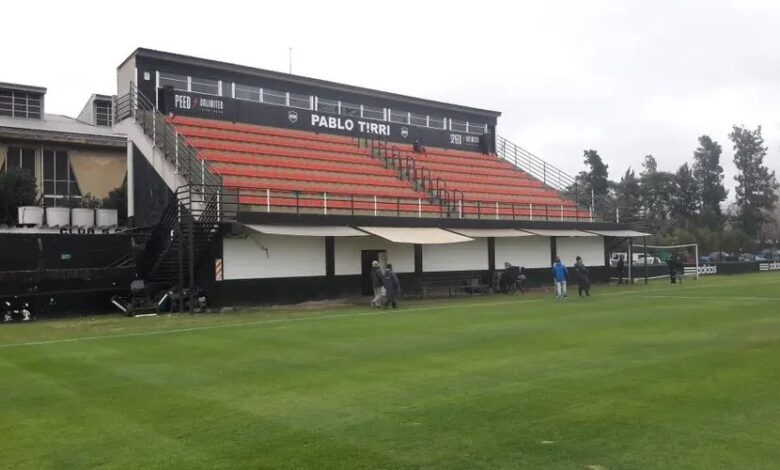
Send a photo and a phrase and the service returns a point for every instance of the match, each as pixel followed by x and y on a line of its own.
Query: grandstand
pixel 262 186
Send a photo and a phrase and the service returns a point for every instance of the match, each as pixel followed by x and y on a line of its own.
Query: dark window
pixel 327 106
pixel 21 158
pixel 20 104
pixel 401 117
pixel 274 97
pixel 178 82
pixel 300 101
pixel 205 86
pixel 349 109
pixel 59 184
pixel 103 113
pixel 418 120
pixel 246 92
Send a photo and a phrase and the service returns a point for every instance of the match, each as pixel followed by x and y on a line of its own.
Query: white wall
pixel 590 248
pixel 347 252
pixel 529 252
pixel 287 256
pixel 466 256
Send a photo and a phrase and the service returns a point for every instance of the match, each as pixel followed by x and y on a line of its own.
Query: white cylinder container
pixel 57 216
pixel 82 217
pixel 30 215
pixel 106 218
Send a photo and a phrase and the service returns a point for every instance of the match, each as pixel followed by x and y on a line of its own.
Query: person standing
pixel 559 276
pixel 377 281
pixel 620 267
pixel 392 286
pixel 583 280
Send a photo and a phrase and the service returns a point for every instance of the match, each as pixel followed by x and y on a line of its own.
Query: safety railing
pixel 174 146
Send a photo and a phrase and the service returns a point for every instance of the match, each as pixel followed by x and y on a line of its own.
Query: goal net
pixel 673 261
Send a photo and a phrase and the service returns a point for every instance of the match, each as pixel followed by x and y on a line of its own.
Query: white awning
pixel 307 230
pixel 490 232
pixel 559 233
pixel 620 233
pixel 421 235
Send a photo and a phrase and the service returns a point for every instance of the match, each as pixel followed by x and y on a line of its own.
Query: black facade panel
pixel 235 110
pixel 151 195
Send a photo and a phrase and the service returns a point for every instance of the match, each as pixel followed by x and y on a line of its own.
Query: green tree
pixel 628 194
pixel 756 185
pixel 709 177
pixel 117 199
pixel 17 188
pixel 593 183
pixel 685 200
pixel 656 189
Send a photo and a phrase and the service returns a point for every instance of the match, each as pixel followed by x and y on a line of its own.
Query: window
pixel 458 126
pixel 418 120
pixel 59 184
pixel 401 117
pixel 300 101
pixel 274 97
pixel 205 86
pixel 20 104
pixel 370 112
pixel 22 158
pixel 437 122
pixel 349 109
pixel 477 128
pixel 178 82
pixel 103 115
pixel 327 106
pixel 246 92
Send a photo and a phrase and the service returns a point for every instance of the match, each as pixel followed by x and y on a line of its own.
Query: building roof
pixel 60 129
pixel 262 73
pixel 18 87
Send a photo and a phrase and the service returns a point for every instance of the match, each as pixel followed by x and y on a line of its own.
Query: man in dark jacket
pixel 392 286
pixel 583 281
pixel 620 268
pixel 377 280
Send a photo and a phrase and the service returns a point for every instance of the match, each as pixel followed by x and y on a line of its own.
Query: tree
pixel 656 189
pixel 756 185
pixel 685 200
pixel 628 194
pixel 117 199
pixel 17 188
pixel 709 177
pixel 593 183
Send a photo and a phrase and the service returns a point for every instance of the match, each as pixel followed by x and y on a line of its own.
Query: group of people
pixel 561 275
pixel 386 285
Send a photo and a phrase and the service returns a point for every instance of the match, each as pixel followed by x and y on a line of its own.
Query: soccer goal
pixel 673 261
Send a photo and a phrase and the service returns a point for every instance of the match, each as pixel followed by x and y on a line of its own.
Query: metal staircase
pixel 189 224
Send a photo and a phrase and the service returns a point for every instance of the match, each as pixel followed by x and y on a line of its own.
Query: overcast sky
pixel 627 78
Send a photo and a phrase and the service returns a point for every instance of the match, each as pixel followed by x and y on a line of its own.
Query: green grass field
pixel 651 376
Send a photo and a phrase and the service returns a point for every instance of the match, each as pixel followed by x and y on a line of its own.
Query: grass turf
pixel 634 377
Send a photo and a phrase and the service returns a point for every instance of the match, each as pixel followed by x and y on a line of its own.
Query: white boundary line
pixel 639 292
pixel 706 298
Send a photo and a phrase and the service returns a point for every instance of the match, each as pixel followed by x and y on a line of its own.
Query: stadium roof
pixel 559 232
pixel 262 73
pixel 620 233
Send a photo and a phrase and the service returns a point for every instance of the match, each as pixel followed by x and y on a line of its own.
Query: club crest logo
pixel 292 116
pixel 404 132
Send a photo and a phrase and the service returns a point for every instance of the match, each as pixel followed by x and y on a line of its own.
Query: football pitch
pixel 655 376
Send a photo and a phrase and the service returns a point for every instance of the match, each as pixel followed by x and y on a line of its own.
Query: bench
pixel 452 284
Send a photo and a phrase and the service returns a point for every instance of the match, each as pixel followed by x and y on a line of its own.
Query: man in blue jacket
pixel 559 276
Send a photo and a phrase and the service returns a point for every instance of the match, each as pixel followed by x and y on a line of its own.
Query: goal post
pixel 684 257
